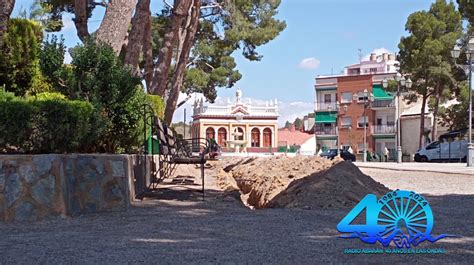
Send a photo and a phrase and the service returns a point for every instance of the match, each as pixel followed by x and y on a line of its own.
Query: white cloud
pixel 309 63
pixel 288 111
pixel 377 52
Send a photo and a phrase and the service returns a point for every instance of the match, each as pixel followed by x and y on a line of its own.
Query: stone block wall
pixel 35 187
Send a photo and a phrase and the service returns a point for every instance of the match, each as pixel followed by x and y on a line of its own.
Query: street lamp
pixel 401 82
pixel 469 50
pixel 338 108
pixel 368 98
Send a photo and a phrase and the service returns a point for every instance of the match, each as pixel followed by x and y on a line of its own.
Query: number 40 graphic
pixel 372 209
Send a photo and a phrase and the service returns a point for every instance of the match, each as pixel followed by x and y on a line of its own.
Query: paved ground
pixel 449 168
pixel 179 228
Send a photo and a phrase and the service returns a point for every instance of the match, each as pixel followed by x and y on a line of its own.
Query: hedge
pixel 46 126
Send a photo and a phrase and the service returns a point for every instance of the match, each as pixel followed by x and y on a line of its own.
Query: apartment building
pixel 346 103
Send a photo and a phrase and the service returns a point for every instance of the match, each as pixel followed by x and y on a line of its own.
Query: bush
pixel 46 126
pixel 19 55
pixel 98 76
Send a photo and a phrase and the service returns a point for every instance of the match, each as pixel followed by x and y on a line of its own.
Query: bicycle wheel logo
pixel 402 217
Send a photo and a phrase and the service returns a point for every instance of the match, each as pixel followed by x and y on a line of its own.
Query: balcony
pixel 383 104
pixel 326 106
pixel 325 130
pixel 384 129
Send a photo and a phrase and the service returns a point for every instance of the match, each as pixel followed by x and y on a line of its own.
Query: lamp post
pixel 469 50
pixel 338 108
pixel 368 98
pixel 401 82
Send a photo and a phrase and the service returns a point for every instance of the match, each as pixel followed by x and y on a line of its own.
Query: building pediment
pixel 239 109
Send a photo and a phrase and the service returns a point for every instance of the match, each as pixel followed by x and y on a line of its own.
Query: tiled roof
pixel 293 137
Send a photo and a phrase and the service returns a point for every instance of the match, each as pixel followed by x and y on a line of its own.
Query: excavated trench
pixel 296 182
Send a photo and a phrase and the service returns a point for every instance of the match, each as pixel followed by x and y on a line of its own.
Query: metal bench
pixel 174 151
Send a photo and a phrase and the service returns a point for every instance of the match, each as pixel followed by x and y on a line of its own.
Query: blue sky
pixel 327 33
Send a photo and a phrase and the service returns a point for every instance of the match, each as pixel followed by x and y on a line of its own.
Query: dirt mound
pixel 261 179
pixel 342 185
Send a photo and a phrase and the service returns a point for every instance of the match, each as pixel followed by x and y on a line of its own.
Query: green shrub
pixel 158 104
pixel 98 76
pixel 5 95
pixel 19 55
pixel 48 96
pixel 47 126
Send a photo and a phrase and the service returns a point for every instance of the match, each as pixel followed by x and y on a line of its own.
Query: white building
pixel 253 128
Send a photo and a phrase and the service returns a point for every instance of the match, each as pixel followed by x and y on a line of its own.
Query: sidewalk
pixel 448 168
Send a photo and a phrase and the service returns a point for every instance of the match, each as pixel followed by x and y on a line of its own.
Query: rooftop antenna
pixel 360 55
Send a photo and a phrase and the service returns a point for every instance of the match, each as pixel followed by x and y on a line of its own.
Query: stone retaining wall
pixel 35 187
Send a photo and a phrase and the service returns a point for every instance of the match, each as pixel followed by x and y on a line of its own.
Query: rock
pixel 118 169
pixel 99 166
pixel 44 191
pixel 26 172
pixel 13 189
pixel 25 211
pixel 43 163
pixel 95 193
pixel 2 181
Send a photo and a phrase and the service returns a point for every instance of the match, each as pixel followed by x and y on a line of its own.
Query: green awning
pixel 384 136
pixel 380 94
pixel 326 88
pixel 325 117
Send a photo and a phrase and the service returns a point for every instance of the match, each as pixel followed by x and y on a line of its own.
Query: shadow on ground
pixel 177 227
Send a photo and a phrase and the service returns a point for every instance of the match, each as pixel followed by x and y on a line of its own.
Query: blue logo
pixel 402 217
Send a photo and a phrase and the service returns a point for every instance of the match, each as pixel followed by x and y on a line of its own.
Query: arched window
pixel 255 133
pixel 267 137
pixel 241 132
pixel 210 133
pixel 221 136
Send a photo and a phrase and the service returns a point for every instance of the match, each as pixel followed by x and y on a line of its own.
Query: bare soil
pixel 177 227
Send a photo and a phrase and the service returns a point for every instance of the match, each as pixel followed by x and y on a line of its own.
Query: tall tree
pixel 114 27
pixel 185 43
pixel 231 25
pixel 6 8
pixel 466 7
pixel 425 55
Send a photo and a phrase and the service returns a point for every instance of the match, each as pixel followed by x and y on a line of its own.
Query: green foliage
pixel 6 96
pixel 454 117
pixel 48 96
pixel 425 53
pixel 466 7
pixel 41 12
pixel 46 126
pixel 98 76
pixel 298 124
pixel 244 25
pixel 158 104
pixel 52 58
pixel 19 56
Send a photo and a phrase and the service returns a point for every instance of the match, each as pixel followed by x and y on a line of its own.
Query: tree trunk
pixel 434 130
pixel 80 20
pixel 183 60
pixel 160 78
pixel 114 27
pixel 148 54
pixel 6 8
pixel 422 120
pixel 136 36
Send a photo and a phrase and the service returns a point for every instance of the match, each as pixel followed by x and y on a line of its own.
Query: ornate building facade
pixel 238 126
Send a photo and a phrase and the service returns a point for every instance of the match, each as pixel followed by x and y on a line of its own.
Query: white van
pixel 447 148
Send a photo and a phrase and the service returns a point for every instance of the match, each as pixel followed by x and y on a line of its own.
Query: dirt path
pixel 221 230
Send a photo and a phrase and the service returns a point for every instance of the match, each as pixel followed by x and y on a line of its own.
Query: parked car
pixel 447 148
pixel 331 153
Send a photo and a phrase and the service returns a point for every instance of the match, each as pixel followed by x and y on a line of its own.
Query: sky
pixel 321 37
